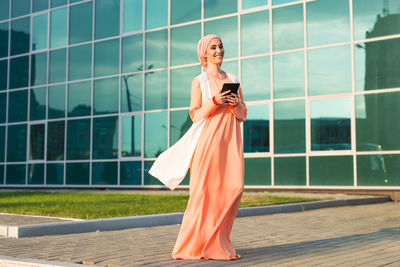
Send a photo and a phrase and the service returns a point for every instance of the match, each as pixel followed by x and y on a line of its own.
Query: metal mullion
pixel 353 97
pixel 271 105
pixel 254 9
pixel 387 152
pixel 169 77
pixel 119 121
pixel 307 100
pixel 202 18
pixel 377 91
pixel 288 4
pixel 380 38
pixel 257 155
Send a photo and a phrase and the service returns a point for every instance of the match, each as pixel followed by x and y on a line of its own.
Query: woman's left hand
pixel 233 99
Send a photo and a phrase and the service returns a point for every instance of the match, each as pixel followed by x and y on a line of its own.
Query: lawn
pixel 108 205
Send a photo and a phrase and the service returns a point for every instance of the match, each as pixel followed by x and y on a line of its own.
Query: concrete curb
pixel 174 218
pixel 6 261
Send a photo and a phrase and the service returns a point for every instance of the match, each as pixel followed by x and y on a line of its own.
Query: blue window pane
pixel 256 78
pixel 290 127
pixel 328 22
pixel 19 72
pixel 131 144
pixel 257 171
pixel 1 174
pixel 79 99
pixel 37 104
pixel 156 13
pixel 78 139
pixel 148 179
pixel 106 58
pixel 105 138
pixel 156 90
pixel 55 173
pixel 330 124
pixel 289 65
pixel 39 5
pixel 16 174
pixel 4 9
pixel 132 53
pixel 226 29
pixel 17 106
pixel 104 173
pixel 39 39
pixel 77 173
pixel 3 74
pixel 290 171
pixel 329 70
pixel 107 18
pixel 288 28
pixel 280 2
pixel 184 11
pixel 105 96
pixel 256 129
pixel 180 122
pixel 130 173
pixel 20 36
pixel 58 28
pixel 184 44
pixel 181 81
pixel 213 8
pixel 36 174
pixel 20 7
pixel 132 93
pixel 331 170
pixel 36 144
pixel 3 105
pixel 39 68
pixel 375 18
pixel 4 39
pixel 58 67
pixel 156 49
pixel 155 133
pixel 80 23
pixel 57 3
pixel 231 66
pixel 80 62
pixel 132 13
pixel 246 4
pixel 55 140
pixel 2 143
pixel 56 108
pixel 378 170
pixel 16 142
pixel 255 33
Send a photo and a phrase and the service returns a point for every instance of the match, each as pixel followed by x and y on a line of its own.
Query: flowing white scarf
pixel 172 165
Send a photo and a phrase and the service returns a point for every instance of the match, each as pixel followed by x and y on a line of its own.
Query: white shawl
pixel 172 165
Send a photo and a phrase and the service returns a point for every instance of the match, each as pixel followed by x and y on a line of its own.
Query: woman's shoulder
pixel 232 77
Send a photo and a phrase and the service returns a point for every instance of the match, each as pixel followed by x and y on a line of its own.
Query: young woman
pixel 217 166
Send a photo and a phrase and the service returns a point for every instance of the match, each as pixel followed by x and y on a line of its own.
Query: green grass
pixel 108 205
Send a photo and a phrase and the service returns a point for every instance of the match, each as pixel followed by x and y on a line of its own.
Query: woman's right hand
pixel 222 97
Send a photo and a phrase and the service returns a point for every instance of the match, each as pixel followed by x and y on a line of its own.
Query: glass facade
pixel 92 91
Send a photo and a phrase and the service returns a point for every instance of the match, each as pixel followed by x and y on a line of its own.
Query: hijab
pixel 202 48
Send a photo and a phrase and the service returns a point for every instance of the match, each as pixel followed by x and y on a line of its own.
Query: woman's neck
pixel 215 71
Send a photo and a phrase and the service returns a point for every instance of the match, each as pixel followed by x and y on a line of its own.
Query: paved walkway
pixel 367 235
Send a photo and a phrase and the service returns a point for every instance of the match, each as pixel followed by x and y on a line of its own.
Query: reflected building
pixel 92 91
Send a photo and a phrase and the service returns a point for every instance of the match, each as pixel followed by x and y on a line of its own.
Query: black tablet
pixel 234 87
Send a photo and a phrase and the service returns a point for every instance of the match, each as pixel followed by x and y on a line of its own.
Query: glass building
pixel 91 91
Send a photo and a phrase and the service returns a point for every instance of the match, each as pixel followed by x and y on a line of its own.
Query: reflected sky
pixel 156 90
pixel 131 136
pixel 39 40
pixel 56 107
pixel 181 81
pixel 157 49
pixel 106 58
pixel 184 44
pixel 366 14
pixel 328 22
pixel 184 11
pixel 132 53
pixel 132 99
pixel 246 4
pixel 331 108
pixel 255 33
pixel 180 123
pixel 80 62
pixel 256 78
pixel 155 130
pixel 58 27
pixel 287 27
pixel 289 65
pixel 329 70
pixel 156 13
pixel 105 96
pixel 213 8
pixel 132 15
pixel 227 30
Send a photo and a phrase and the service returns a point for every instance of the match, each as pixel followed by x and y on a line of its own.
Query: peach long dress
pixel 216 179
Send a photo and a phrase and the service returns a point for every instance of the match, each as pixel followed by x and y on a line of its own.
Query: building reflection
pixel 382 70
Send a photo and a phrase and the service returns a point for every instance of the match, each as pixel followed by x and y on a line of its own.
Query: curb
pixel 174 218
pixel 6 261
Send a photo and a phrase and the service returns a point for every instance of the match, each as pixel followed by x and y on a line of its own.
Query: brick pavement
pixel 366 235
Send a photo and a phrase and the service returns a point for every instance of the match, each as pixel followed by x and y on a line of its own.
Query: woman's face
pixel 215 51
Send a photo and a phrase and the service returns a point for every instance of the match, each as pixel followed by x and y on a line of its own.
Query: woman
pixel 217 167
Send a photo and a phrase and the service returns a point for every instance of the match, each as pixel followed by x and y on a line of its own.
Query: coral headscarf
pixel 202 48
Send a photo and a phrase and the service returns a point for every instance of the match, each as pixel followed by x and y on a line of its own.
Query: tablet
pixel 234 87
